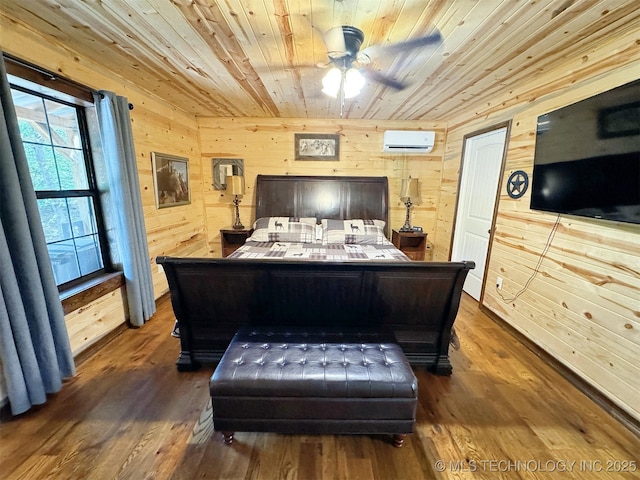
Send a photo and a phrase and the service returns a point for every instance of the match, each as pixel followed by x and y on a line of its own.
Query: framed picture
pixel 170 180
pixel 226 167
pixel 317 146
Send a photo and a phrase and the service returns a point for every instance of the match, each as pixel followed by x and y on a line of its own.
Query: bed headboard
pixel 340 198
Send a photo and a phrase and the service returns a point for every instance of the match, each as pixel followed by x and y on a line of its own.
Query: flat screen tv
pixel 587 157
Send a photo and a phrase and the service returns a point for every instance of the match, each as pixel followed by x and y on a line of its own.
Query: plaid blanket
pixel 317 251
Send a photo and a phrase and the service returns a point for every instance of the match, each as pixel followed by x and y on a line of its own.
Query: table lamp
pixel 408 191
pixel 235 186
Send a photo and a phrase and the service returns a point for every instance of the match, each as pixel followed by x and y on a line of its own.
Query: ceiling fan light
pixel 331 82
pixel 353 83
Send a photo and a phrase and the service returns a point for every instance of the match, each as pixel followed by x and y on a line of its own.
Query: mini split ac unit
pixel 408 141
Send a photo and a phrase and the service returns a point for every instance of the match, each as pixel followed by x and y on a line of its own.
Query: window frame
pixel 79 105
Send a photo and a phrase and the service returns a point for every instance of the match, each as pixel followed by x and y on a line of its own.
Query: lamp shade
pixel 331 82
pixel 409 188
pixel 353 83
pixel 235 185
pixel 350 80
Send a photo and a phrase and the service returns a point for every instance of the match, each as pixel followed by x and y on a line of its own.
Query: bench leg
pixel 228 437
pixel 398 439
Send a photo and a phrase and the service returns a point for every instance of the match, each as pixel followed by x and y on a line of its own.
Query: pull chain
pixel 342 82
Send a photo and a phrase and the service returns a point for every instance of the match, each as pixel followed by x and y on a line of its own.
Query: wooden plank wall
pixel 156 127
pixel 583 307
pixel 267 147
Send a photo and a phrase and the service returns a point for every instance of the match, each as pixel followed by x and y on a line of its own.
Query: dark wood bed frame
pixel 323 197
pixel 416 301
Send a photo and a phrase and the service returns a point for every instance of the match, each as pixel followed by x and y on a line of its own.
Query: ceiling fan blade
pixel 382 78
pixel 302 66
pixel 434 38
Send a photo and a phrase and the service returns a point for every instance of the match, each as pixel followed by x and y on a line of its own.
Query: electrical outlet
pixel 499 283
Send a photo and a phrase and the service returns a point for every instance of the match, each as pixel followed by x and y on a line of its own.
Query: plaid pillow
pixel 356 231
pixel 284 229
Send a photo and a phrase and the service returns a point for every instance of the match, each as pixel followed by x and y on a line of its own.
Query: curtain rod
pixel 46 77
pixel 130 104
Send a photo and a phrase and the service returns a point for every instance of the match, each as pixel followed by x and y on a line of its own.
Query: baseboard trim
pixel 589 390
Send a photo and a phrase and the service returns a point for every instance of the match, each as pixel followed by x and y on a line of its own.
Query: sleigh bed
pixel 337 271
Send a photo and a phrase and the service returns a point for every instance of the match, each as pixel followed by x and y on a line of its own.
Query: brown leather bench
pixel 313 382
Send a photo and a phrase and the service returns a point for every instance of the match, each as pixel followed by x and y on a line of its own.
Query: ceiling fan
pixel 351 66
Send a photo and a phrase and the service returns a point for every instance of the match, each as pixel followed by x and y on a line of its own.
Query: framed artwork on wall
pixel 317 146
pixel 170 180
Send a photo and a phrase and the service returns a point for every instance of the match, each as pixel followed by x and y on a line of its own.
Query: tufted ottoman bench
pixel 313 382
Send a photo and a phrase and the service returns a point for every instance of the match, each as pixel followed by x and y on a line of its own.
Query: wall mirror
pixel 226 167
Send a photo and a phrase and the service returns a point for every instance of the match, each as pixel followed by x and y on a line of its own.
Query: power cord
pixel 535 270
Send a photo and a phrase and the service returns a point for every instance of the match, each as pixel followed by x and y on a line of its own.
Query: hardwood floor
pixel 504 413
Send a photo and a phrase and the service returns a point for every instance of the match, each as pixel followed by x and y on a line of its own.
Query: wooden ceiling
pixel 257 58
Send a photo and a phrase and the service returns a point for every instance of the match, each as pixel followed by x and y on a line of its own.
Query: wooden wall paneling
pixel 584 300
pixel 604 262
pixel 446 211
pixel 266 145
pixel 90 323
pixel 175 230
pixel 156 127
pixel 543 93
pixel 583 307
pixel 592 266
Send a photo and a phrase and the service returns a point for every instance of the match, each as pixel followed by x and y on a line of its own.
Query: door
pixel 481 167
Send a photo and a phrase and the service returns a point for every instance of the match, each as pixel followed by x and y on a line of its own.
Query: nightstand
pixel 412 244
pixel 231 239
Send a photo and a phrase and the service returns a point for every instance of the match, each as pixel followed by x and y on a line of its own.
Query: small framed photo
pixel 317 146
pixel 170 180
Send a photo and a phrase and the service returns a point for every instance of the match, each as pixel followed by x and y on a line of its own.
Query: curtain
pixel 34 343
pixel 126 204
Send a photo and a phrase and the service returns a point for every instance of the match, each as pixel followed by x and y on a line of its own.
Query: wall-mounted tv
pixel 587 157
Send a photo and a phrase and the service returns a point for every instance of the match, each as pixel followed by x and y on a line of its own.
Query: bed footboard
pixel 213 298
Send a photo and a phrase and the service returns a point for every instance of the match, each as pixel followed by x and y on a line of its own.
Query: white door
pixel 481 167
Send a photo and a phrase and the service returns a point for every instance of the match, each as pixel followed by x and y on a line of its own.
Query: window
pixel 55 139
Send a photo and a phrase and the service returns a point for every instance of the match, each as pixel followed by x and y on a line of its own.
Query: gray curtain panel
pixel 34 344
pixel 126 204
